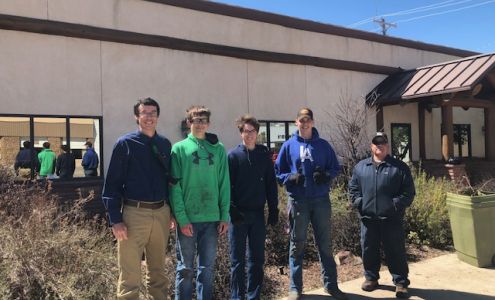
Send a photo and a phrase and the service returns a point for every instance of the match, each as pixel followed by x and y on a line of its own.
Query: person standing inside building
pixel 66 163
pixel 381 188
pixel 306 164
pixel 47 161
pixel 253 183
pixel 26 160
pixel 90 161
pixel 200 202
pixel 135 196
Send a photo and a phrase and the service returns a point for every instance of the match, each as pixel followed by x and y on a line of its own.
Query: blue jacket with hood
pixel 298 155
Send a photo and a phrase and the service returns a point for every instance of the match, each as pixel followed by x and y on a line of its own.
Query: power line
pixel 412 11
pixel 445 12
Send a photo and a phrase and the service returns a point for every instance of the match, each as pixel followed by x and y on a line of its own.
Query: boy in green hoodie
pixel 47 161
pixel 200 201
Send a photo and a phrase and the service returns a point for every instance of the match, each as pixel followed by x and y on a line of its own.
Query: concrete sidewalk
pixel 440 278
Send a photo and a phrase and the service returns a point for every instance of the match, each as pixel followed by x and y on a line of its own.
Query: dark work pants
pixel 253 231
pixel 389 233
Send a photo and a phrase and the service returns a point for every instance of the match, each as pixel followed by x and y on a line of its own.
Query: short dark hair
pixel 247 119
pixel 26 144
pixel 65 148
pixel 89 144
pixel 197 111
pixel 146 102
pixel 46 145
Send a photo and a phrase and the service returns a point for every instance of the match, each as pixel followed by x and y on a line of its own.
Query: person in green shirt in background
pixel 200 201
pixel 47 161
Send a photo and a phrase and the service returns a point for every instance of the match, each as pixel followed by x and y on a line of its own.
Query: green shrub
pixel 427 220
pixel 345 221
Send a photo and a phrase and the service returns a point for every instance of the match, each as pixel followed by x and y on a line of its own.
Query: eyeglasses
pixel 152 114
pixel 249 131
pixel 198 121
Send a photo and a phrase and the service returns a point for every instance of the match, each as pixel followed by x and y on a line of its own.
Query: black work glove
pixel 320 176
pixel 297 178
pixel 272 217
pixel 236 216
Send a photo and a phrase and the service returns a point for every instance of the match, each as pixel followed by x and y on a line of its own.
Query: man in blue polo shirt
pixel 136 198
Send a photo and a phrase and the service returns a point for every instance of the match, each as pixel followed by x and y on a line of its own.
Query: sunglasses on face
pixel 198 121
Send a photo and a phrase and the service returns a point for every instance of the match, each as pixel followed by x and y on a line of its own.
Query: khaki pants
pixel 25 173
pixel 147 231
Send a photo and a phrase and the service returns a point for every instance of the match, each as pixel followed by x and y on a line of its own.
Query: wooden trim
pixel 447 132
pixel 490 133
pixel 8 22
pixel 379 119
pixel 422 130
pixel 306 25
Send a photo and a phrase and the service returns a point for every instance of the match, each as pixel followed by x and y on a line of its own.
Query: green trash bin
pixel 472 219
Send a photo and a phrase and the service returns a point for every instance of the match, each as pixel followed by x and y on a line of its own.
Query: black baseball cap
pixel 380 138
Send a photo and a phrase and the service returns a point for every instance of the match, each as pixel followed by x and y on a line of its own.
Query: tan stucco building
pixel 91 59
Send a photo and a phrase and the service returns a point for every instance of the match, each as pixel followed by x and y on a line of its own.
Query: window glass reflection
pixel 85 134
pixel 49 136
pixel 262 135
pixel 14 131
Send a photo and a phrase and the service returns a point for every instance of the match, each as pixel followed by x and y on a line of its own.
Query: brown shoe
pixel 401 292
pixel 369 285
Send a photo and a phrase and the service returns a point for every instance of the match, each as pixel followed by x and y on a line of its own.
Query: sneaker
pixel 336 293
pixel 369 285
pixel 401 292
pixel 294 295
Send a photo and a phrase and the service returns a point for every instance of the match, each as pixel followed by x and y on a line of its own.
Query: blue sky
pixel 464 24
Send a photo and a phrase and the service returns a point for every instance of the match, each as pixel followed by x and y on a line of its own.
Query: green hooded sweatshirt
pixel 47 162
pixel 202 193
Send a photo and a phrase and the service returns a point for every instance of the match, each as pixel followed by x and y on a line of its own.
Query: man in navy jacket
pixel 253 182
pixel 381 188
pixel 306 165
pixel 136 198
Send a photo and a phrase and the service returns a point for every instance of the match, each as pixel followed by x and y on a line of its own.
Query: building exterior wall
pixel 45 74
pixel 158 19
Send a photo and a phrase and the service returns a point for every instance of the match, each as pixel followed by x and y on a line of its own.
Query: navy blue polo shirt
pixel 136 173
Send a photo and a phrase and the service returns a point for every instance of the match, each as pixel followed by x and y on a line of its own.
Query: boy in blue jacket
pixel 306 165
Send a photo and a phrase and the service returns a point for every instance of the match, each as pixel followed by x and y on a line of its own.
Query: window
pixel 56 130
pixel 274 133
pixel 401 141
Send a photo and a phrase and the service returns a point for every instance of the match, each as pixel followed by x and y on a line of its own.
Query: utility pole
pixel 384 25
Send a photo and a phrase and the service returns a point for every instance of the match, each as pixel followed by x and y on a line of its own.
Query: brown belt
pixel 141 204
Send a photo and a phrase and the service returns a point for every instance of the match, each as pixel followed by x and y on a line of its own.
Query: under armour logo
pixel 197 158
pixel 305 153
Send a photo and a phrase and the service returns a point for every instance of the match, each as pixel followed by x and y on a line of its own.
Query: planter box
pixel 472 219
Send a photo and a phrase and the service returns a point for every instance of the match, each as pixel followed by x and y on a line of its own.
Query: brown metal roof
pixel 448 77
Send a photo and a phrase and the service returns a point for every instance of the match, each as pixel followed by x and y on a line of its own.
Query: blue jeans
pixel 390 233
pixel 202 246
pixel 318 212
pixel 253 230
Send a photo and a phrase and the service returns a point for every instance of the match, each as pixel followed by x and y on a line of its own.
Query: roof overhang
pixel 475 75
